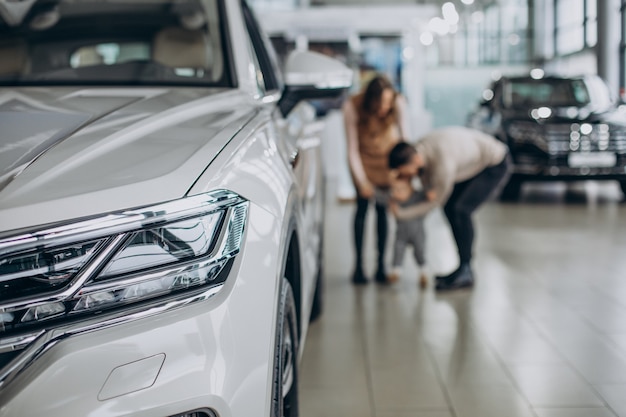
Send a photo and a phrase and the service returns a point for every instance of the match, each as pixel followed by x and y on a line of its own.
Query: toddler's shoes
pixel 423 280
pixel 394 276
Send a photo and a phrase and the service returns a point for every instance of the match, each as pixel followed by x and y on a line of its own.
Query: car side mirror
pixel 311 75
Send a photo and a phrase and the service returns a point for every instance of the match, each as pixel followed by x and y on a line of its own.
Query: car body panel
pixel 189 126
pixel 76 152
pixel 270 158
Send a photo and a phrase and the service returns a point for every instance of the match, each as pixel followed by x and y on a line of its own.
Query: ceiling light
pixel 426 38
pixel 439 26
pixel 537 73
pixel 450 14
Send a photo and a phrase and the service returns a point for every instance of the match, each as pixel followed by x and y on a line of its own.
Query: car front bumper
pixel 543 166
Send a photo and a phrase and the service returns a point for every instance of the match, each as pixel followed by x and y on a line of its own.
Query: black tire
pixel 318 297
pixel 285 381
pixel 511 190
pixel 622 185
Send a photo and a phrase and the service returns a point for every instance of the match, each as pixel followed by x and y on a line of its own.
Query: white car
pixel 160 209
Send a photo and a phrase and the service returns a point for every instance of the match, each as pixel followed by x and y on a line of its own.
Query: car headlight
pixel 131 258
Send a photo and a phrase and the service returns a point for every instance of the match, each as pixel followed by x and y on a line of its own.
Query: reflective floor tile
pixel 574 412
pixel 541 334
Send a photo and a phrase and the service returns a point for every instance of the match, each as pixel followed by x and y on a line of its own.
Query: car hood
pixel 68 153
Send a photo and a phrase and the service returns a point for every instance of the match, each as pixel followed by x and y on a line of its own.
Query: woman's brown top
pixel 376 137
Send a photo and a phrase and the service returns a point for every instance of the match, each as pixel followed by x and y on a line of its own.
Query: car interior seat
pixel 89 56
pixel 180 48
pixel 14 58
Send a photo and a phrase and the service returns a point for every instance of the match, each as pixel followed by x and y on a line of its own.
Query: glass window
pixel 135 42
pixel 580 92
pixel 491 40
pixel 497 34
pixel 570 29
pixel 622 51
pixel 259 5
pixel 109 54
pixel 255 67
pixel 592 23
pixel 264 52
pixel 570 40
pixel 551 93
pixel 576 25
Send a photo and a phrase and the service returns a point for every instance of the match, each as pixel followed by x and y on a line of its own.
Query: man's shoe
pixel 359 278
pixel 448 277
pixel 463 278
pixel 452 274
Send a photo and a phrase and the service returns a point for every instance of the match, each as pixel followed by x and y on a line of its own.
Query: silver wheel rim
pixel 287 359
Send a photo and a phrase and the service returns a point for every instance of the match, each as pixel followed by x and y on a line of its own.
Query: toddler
pixel 408 231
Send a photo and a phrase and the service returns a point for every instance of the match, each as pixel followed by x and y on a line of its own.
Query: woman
pixel 375 120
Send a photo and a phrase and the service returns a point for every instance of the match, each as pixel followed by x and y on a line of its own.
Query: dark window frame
pixel 622 53
pixel 264 51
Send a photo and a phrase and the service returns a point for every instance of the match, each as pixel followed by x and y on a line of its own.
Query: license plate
pixel 592 159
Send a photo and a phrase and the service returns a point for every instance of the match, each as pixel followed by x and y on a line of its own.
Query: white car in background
pixel 161 209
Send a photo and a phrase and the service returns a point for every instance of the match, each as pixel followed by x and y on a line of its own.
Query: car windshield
pixel 144 42
pixel 546 93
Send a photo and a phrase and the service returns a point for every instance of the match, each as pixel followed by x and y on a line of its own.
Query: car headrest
pixel 14 58
pixel 181 48
pixel 89 56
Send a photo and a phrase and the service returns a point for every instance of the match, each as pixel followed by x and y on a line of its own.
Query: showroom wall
pixel 451 92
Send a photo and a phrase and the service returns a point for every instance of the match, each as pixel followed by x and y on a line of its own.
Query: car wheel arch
pixel 291 254
pixel 291 271
pixel 288 288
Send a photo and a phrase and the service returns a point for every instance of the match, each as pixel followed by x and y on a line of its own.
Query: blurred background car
pixel 557 128
pixel 161 209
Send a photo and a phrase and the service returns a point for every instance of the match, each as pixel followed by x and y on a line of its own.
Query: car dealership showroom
pixel 314 208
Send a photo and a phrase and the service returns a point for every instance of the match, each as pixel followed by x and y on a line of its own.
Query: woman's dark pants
pixel 362 205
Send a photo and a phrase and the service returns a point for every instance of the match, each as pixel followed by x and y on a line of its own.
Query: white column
pixel 608 42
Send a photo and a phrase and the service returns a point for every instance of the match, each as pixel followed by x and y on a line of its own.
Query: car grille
pixel 538 164
pixel 566 138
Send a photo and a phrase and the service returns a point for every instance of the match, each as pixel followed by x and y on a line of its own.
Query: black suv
pixel 556 128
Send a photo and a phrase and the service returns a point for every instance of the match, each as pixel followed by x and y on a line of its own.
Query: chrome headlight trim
pixel 120 222
pixel 113 231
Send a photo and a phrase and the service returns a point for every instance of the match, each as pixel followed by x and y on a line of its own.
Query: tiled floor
pixel 542 334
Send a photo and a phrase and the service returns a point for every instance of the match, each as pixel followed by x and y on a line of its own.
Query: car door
pixel 301 134
pixel 306 135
